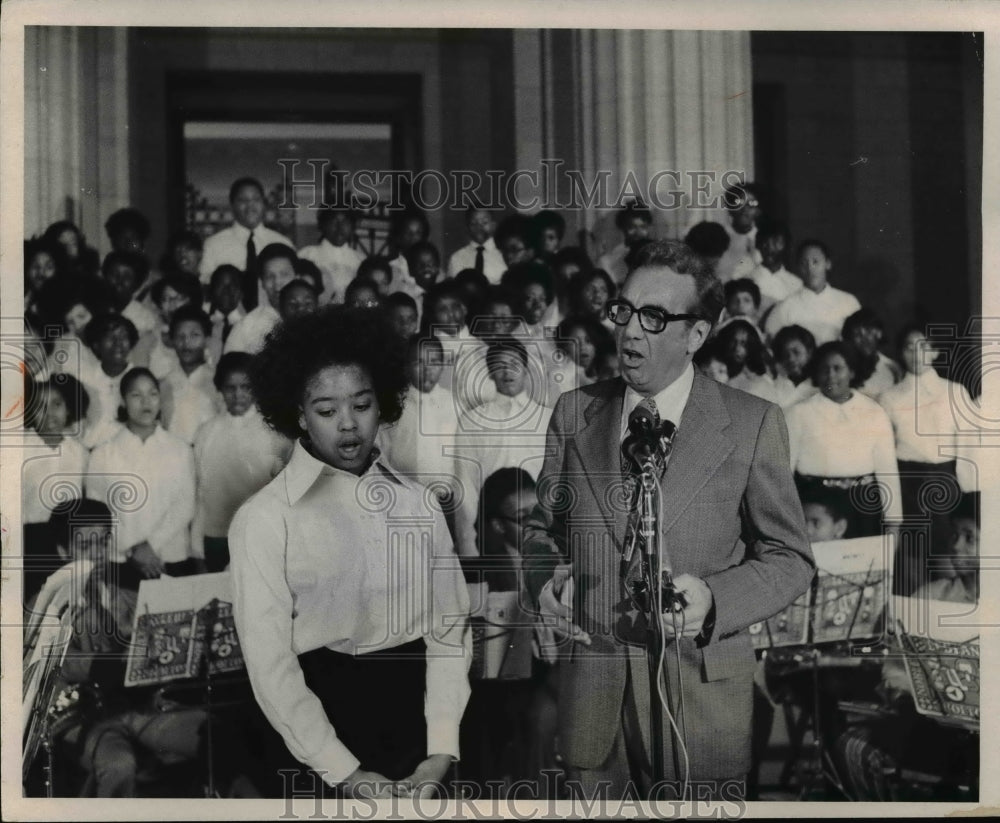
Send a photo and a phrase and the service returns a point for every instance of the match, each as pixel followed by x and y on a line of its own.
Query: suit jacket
pixel 731 516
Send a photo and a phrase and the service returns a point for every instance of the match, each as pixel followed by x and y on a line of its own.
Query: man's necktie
pixel 250 276
pixel 251 254
pixel 226 328
pixel 479 259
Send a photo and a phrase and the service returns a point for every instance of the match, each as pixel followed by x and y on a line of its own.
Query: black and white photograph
pixel 451 411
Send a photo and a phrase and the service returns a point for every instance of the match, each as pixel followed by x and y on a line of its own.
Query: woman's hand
pixel 429 772
pixel 142 556
pixel 360 783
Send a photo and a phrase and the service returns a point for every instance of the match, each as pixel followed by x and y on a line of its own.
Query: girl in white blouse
pixel 841 439
pixel 348 597
pixel 146 476
pixel 54 467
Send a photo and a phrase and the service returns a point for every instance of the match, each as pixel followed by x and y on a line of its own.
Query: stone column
pixel 76 157
pixel 645 102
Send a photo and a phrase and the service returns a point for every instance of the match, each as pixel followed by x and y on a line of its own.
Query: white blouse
pixel 50 475
pixel 234 457
pixel 850 439
pixel 150 487
pixel 323 558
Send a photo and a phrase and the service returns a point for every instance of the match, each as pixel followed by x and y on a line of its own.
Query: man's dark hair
pixel 633 208
pixel 373 264
pixel 707 238
pixel 104 324
pixel 505 345
pixel 742 285
pixel 245 181
pixel 135 261
pixel 680 258
pixel 186 284
pixel 190 313
pixel 125 219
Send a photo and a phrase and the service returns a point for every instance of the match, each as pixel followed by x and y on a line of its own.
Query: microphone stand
pixel 649 518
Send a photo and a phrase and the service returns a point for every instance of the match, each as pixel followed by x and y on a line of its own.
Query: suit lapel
pixel 700 447
pixel 600 455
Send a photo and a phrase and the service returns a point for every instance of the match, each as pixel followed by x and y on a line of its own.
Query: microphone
pixel 641 442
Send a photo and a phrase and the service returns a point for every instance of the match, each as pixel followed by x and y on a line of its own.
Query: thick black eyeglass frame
pixel 653 319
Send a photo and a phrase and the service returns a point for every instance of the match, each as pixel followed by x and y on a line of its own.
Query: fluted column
pixel 76 127
pixel 647 102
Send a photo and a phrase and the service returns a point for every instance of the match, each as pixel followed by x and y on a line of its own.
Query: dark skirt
pixel 375 703
pixel 930 492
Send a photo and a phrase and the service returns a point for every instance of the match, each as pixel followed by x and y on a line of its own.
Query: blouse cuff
pixel 442 736
pixel 335 763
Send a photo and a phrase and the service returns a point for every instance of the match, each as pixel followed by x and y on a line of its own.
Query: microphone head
pixel 643 420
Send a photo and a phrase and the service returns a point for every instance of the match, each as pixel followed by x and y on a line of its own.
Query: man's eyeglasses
pixel 653 319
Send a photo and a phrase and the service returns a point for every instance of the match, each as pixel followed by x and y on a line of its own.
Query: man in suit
pixel 732 527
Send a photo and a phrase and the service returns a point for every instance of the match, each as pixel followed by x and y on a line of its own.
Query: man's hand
pixel 428 774
pixel 698 597
pixel 557 614
pixel 360 783
pixel 142 556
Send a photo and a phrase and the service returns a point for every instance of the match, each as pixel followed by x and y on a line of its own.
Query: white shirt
pixel 150 487
pixel 322 558
pixel 142 318
pixel 788 394
pixel 822 314
pixel 922 410
pixel 741 258
pixel 421 443
pixel 229 247
pixel 670 401
pixel 465 258
pixel 774 286
pixel 850 439
pixel 234 457
pixel 189 400
pixel 339 265
pixel 614 263
pixel 887 373
pixel 50 475
pixel 505 432
pixel 248 335
pixel 460 350
pixel 759 385
pixel 105 398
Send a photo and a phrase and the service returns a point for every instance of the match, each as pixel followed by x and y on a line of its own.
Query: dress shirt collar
pixel 243 233
pixel 303 470
pixel 128 436
pixel 670 402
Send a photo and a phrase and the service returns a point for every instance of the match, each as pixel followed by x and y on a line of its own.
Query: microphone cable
pixel 661 674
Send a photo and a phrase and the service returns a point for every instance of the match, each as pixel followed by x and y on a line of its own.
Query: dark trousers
pixel 927 490
pixel 216 553
pixel 375 703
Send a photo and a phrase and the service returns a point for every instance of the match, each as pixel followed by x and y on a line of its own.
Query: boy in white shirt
pixel 506 431
pixel 421 443
pixel 333 254
pixel 188 393
pixel 818 306
pixel 772 278
pixel 235 455
pixel 277 270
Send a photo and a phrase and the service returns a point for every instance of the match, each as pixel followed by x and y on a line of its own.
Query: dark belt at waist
pixel 836 482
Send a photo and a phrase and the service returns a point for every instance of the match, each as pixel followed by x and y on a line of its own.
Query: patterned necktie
pixel 479 259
